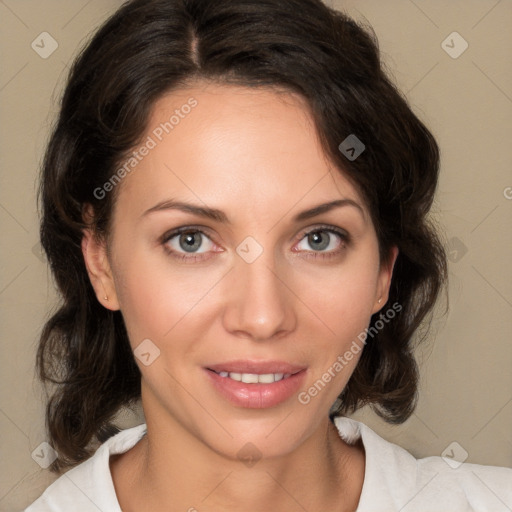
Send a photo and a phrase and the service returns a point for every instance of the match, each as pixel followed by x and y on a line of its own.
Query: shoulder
pixel 395 480
pixel 89 485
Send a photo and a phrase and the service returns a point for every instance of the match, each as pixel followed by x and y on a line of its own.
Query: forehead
pixel 234 147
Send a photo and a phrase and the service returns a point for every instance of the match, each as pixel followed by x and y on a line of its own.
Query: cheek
pixel 344 305
pixel 343 299
pixel 344 296
pixel 157 296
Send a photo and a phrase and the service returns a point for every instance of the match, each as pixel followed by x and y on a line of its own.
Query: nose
pixel 259 304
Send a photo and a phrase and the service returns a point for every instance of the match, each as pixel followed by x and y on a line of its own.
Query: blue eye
pixel 191 241
pixel 320 240
pixel 190 244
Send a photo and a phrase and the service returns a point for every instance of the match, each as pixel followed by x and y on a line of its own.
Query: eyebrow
pixel 220 216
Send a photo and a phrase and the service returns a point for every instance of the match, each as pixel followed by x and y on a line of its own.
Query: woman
pixel 235 204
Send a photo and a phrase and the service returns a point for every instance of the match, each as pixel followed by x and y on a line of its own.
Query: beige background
pixel 466 391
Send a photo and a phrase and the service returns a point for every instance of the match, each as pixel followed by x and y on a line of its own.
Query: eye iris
pixel 190 242
pixel 318 240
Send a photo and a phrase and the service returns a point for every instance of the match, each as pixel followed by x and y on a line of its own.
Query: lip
pixel 256 396
pixel 260 367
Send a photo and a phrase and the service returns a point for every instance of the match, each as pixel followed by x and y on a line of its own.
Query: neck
pixel 170 469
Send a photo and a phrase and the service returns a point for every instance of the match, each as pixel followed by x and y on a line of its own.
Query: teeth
pixel 267 378
pixel 254 378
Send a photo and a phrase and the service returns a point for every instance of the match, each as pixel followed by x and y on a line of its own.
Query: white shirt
pixel 394 480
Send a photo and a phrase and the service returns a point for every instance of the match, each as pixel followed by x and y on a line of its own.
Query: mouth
pixel 253 384
pixel 254 378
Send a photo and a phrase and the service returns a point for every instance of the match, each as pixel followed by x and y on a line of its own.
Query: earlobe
pixel 98 269
pixel 385 276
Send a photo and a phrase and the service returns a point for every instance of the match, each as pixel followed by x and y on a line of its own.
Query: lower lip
pixel 256 396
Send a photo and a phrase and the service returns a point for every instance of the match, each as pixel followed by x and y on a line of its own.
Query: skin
pixel 254 154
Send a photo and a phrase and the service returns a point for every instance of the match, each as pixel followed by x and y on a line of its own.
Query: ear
pixel 384 280
pixel 98 268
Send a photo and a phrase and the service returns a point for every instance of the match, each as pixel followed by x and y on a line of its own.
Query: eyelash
pixel 193 258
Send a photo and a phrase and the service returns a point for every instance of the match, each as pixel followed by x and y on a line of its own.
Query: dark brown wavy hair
pixel 150 47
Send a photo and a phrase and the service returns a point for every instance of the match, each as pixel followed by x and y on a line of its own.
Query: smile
pixel 255 378
pixel 256 385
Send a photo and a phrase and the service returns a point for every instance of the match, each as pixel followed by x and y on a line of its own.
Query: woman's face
pixel 264 281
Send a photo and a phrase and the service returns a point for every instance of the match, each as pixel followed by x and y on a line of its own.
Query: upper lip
pixel 257 367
